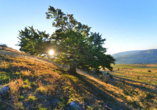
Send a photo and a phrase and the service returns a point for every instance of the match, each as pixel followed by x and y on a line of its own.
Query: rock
pixel 106 79
pixel 108 73
pixel 110 76
pixel 4 90
pixel 93 71
pixel 54 102
pixel 73 106
pixel 46 103
pixel 25 104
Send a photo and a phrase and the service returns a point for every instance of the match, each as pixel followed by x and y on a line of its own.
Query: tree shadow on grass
pixel 147 100
pixel 98 92
pixel 134 85
pixel 130 91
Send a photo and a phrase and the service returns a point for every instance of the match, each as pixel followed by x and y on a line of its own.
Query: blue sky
pixel 125 24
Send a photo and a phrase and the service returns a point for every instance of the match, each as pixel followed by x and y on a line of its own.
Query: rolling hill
pixel 32 83
pixel 134 57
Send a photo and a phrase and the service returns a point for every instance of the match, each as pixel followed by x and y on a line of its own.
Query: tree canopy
pixel 34 41
pixel 72 41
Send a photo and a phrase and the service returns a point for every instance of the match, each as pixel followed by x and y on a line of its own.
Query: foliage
pixel 72 41
pixel 75 45
pixel 138 77
pixel 19 105
pixel 33 41
pixel 149 70
pixel 21 97
pixel 3 45
pixel 31 98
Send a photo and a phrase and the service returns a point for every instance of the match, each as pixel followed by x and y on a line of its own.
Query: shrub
pixel 21 97
pixel 138 77
pixel 60 105
pixel 26 86
pixel 106 79
pixel 26 73
pixel 3 46
pixel 149 70
pixel 19 105
pixel 27 82
pixel 17 73
pixel 31 98
pixel 149 96
pixel 123 81
pixel 42 108
pixel 41 90
pixel 100 77
pixel 110 76
pixel 120 84
pixel 33 84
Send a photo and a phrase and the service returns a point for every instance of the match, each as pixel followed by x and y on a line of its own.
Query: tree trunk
pixel 72 70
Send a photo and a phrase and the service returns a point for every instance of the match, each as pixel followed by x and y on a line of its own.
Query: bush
pixel 149 70
pixel 60 105
pixel 106 79
pixel 123 81
pixel 32 98
pixel 100 77
pixel 149 96
pixel 19 105
pixel 138 77
pixel 3 46
pixel 21 97
pixel 111 76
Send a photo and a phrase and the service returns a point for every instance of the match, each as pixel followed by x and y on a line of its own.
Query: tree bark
pixel 72 70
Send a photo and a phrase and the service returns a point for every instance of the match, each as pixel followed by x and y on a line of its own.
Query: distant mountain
pixel 139 56
pixel 125 53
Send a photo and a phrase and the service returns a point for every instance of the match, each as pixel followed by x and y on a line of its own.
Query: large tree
pixel 75 45
pixel 72 41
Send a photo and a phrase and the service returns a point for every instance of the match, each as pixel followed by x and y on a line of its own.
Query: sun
pixel 51 52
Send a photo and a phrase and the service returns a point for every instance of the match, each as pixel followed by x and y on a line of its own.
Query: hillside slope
pixel 37 84
pixel 145 56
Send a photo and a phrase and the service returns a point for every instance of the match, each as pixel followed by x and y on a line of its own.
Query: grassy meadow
pixel 38 84
pixel 138 83
pixel 146 73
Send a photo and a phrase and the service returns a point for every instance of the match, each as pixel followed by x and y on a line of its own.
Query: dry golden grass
pixel 38 84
